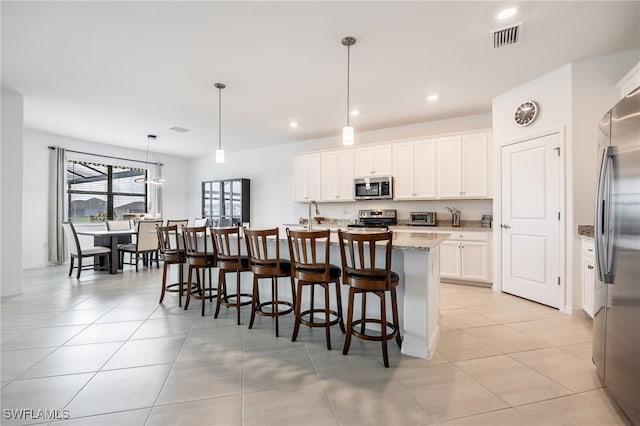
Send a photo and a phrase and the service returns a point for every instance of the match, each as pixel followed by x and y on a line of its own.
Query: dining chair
pixel 201 258
pixel 118 225
pixel 309 254
pixel 178 222
pixel 76 251
pixel 263 249
pixel 367 273
pixel 146 246
pixel 230 259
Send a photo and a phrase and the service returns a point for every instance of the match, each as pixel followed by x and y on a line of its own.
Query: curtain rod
pixel 108 156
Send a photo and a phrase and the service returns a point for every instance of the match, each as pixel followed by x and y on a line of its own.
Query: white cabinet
pixel 463 166
pixel 466 256
pixel 373 161
pixel 588 276
pixel 414 170
pixel 337 175
pixel 306 177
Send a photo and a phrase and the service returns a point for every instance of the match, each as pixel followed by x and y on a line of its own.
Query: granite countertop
pixel 470 225
pixel 585 231
pixel 402 240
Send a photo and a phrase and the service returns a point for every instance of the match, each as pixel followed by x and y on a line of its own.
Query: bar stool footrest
pixel 228 304
pixel 375 338
pixel 310 323
pixel 276 303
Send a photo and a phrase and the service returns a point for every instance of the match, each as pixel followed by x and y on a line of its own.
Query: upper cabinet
pixel 337 175
pixel 449 167
pixel 463 166
pixel 414 170
pixel 306 177
pixel 373 161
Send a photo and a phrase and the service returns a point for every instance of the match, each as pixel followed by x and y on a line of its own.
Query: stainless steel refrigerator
pixel 616 324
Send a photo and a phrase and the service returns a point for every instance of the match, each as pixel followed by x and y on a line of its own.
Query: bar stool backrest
pixel 360 267
pixel 263 260
pixel 227 244
pixel 178 222
pixel 195 241
pixel 309 259
pixel 168 239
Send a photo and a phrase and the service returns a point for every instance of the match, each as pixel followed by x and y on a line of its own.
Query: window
pixel 98 192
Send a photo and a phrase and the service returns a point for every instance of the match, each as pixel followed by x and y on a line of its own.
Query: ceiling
pixel 112 72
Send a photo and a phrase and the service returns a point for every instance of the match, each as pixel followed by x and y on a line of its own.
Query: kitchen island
pixel 416 259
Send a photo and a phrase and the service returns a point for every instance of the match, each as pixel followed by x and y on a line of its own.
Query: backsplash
pixel 472 210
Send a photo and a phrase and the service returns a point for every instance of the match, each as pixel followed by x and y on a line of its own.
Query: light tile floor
pixel 103 348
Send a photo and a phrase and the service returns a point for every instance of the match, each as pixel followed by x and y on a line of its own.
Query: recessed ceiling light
pixel 507 13
pixel 433 97
pixel 355 112
pixel 293 124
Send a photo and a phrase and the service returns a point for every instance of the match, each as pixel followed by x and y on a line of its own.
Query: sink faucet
pixel 310 222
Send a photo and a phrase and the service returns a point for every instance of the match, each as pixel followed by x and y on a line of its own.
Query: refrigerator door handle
pixel 600 226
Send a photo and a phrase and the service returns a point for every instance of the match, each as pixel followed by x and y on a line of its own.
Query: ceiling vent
pixel 505 36
pixel 179 129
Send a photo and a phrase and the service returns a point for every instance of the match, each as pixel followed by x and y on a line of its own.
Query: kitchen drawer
pixel 468 236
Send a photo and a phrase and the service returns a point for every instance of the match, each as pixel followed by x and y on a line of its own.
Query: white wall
pixel 36 169
pixel 572 99
pixel 11 194
pixel 271 174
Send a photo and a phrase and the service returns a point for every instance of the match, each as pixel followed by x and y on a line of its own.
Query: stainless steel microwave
pixel 373 188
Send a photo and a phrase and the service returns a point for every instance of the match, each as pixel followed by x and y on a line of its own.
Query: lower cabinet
pixel 466 256
pixel 588 276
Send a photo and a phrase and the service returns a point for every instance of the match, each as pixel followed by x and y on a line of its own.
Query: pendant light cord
pixel 348 74
pixel 219 118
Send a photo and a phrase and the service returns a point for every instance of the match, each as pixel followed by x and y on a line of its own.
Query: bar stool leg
pixel 164 281
pixel 364 312
pixel 221 285
pixel 254 303
pixel 326 315
pixel 238 295
pixel 347 338
pixel 180 284
pixel 339 300
pixel 297 313
pixel 396 321
pixel 186 303
pixel 383 327
pixel 274 307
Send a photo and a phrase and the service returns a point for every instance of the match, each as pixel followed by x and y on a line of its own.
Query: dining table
pixel 113 238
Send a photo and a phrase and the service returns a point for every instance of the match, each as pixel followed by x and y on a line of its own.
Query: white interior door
pixel 530 228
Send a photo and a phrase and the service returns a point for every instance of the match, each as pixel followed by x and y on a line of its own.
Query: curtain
pixel 56 205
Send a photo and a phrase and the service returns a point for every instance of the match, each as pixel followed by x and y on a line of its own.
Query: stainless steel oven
pixel 373 188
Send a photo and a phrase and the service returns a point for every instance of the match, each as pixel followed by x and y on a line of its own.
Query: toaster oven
pixel 423 218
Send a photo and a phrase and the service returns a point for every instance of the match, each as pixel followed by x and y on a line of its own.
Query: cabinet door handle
pixel 505 226
pixel 589 249
pixel 590 266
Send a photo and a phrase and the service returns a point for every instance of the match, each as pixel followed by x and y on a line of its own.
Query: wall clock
pixel 526 113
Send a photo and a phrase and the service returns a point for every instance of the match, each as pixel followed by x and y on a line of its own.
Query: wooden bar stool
pixel 309 254
pixel 364 276
pixel 201 258
pixel 266 263
pixel 227 244
pixel 172 254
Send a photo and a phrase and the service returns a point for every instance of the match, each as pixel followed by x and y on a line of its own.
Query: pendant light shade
pixel 219 151
pixel 347 131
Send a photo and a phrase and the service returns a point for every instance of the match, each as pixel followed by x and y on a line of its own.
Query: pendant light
pixel 150 159
pixel 347 131
pixel 219 151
